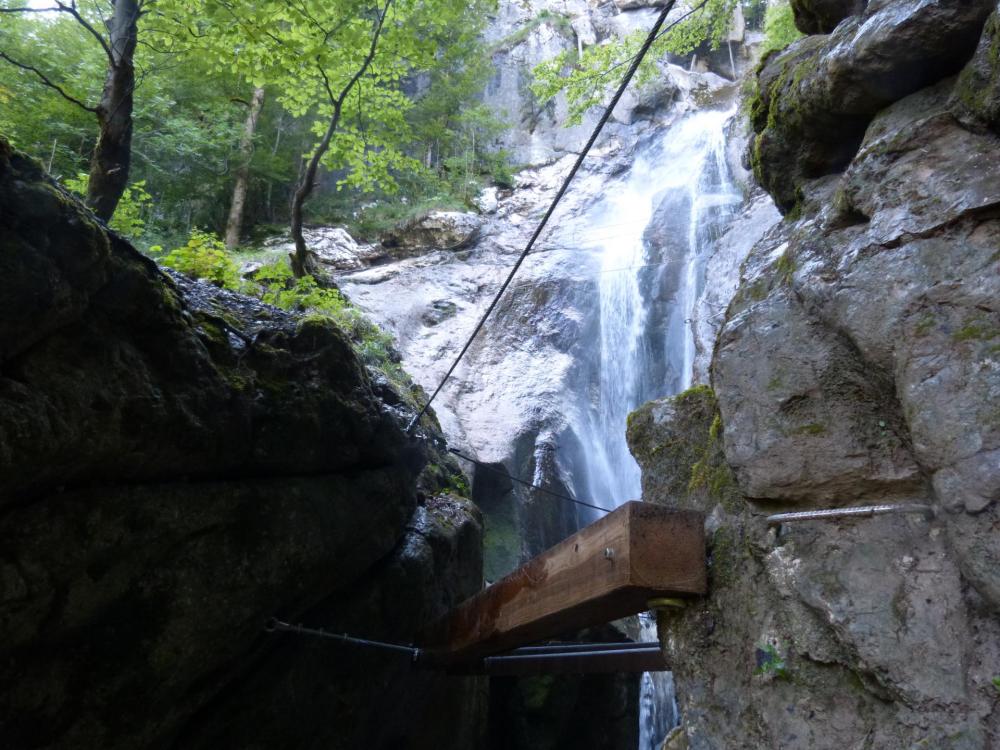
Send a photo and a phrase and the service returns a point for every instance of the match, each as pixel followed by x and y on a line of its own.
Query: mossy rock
pixel 678 442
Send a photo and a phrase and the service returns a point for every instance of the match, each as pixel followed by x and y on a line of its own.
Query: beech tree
pixel 343 62
pixel 235 221
pixel 112 155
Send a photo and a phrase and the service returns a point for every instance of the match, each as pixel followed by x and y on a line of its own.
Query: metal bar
pixel 575 647
pixel 866 511
pixel 512 658
pixel 586 662
pixel 275 625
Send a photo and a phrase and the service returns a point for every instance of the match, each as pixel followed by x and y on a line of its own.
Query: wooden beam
pixel 608 570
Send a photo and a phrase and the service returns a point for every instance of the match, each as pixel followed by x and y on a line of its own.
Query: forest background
pixel 230 101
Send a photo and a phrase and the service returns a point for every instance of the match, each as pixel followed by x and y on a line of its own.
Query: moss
pixel 535 691
pixel 709 471
pixel 715 429
pixel 925 325
pixel 314 322
pixel 695 392
pixel 975 331
pixel 459 485
pixel 785 267
pixel 758 290
pixel 813 428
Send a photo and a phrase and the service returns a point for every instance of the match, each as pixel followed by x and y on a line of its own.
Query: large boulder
pixel 808 634
pixel 815 99
pixel 177 465
pixel 436 230
pixel 822 16
pixel 331 249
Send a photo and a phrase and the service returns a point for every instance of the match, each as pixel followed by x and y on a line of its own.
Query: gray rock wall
pixel 858 364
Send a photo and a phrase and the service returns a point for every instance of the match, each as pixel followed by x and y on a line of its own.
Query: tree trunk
pixel 235 222
pixel 300 258
pixel 109 166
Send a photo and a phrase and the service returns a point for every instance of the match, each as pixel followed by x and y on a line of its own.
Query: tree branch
pixel 71 9
pixel 48 82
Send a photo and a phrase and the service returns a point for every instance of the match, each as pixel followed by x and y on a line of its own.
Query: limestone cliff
pixel 177 465
pixel 858 363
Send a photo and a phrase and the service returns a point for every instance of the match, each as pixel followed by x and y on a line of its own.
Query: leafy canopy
pixel 304 49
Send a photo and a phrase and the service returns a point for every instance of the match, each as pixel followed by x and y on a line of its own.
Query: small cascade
pixel 654 231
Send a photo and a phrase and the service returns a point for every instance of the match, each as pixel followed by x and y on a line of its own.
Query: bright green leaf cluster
pixel 205 257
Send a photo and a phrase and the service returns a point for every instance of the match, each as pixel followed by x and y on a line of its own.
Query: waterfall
pixel 654 231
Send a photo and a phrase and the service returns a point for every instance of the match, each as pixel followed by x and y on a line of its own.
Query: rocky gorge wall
pixel 177 465
pixel 858 363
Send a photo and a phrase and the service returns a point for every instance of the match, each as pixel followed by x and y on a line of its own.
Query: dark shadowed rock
pixel 178 464
pixel 822 16
pixel 976 100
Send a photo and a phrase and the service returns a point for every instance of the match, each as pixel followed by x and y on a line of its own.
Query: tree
pixel 340 62
pixel 235 221
pixel 112 154
pixel 336 101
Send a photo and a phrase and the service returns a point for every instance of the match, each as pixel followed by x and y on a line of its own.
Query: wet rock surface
pixel 857 364
pixel 178 465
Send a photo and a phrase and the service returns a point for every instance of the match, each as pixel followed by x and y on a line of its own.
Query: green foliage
pixel 588 79
pixel 309 51
pixel 35 118
pixel 205 257
pixel 459 485
pixel 779 26
pixel 135 203
pixel 199 60
pixel 770 662
pixel 996 683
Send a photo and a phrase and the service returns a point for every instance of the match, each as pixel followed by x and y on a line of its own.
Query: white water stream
pixel 655 230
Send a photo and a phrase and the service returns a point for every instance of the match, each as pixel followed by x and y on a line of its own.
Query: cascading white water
pixel 654 230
